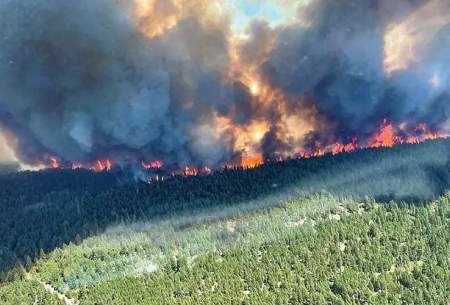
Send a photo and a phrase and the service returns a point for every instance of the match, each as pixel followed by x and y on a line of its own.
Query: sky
pixel 274 11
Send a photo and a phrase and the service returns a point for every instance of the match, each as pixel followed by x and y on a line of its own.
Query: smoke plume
pixel 143 80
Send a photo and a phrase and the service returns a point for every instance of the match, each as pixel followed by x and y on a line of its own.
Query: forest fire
pixel 96 166
pixel 102 165
pixel 190 171
pixel 54 163
pixel 387 135
pixel 194 171
pixel 251 161
pixel 180 86
pixel 157 164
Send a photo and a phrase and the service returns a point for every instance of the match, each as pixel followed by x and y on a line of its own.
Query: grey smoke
pixel 79 80
pixel 337 60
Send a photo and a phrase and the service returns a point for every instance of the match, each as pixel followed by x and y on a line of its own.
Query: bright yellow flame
pixel 292 123
pixel 254 88
pixel 249 137
pixel 293 129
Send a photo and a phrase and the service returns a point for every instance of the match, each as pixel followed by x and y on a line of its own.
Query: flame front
pixel 157 164
pixel 54 163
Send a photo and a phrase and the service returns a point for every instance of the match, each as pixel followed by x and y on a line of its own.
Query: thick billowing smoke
pixel 336 54
pixel 80 80
pixel 168 80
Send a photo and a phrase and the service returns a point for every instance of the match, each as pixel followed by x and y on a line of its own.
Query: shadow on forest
pixel 44 210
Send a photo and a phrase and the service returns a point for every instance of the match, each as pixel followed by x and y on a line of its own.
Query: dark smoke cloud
pixel 258 44
pixel 337 60
pixel 79 80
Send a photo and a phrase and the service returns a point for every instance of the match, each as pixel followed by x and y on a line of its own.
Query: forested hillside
pixel 389 255
pixel 288 232
pixel 316 250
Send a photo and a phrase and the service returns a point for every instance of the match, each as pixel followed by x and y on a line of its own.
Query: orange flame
pixel 102 165
pixel 195 171
pixel 384 137
pixel 339 148
pixel 190 171
pixel 387 135
pixel 54 163
pixel 157 164
pixel 251 161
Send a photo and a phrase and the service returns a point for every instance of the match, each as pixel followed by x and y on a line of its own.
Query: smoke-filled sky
pixel 198 82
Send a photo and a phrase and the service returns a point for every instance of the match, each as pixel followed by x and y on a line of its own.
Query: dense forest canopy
pixel 43 210
pixel 89 233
